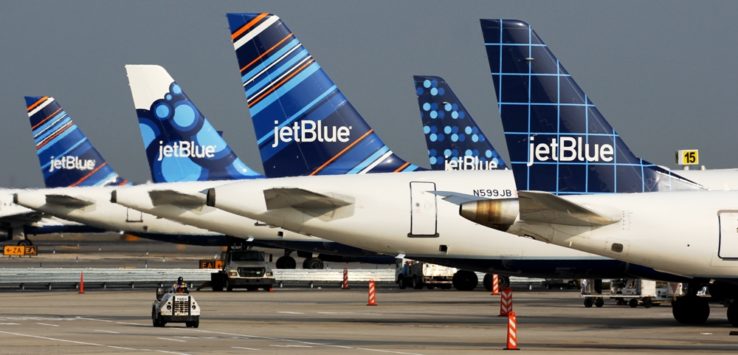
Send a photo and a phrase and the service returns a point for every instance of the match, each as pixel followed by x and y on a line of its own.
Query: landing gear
pixel 312 263
pixel 692 309
pixel 503 281
pixel 733 313
pixel 286 262
pixel 465 280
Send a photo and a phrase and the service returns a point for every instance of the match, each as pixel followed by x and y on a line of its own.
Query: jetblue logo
pixel 568 149
pixel 310 131
pixel 468 162
pixel 186 149
pixel 69 162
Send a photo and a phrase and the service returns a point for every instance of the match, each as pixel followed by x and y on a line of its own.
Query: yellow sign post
pixel 688 157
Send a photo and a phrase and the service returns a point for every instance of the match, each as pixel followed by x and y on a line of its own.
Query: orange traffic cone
pixel 512 332
pixel 372 294
pixel 81 283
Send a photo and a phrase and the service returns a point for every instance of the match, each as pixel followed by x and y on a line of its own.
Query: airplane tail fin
pixel 454 140
pixel 66 156
pixel 303 123
pixel 180 142
pixel 557 138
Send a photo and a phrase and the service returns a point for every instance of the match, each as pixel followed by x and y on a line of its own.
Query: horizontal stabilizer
pixel 300 199
pixel 457 198
pixel 67 201
pixel 543 207
pixel 176 198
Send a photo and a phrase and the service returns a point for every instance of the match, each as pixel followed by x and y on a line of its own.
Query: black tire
pixel 647 302
pixel 417 283
pixel 228 286
pixel 733 314
pixel 313 264
pixel 487 282
pixel 25 242
pixel 251 288
pixel 286 262
pixel 588 302
pixel 401 283
pixel 196 323
pixel 599 302
pixel 465 280
pixel 633 303
pixel 154 317
pixel 217 288
pixel 690 310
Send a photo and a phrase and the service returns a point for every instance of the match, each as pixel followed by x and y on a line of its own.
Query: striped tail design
pixel 304 124
pixel 454 140
pixel 180 142
pixel 66 156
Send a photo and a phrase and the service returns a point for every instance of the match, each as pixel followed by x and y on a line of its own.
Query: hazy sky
pixel 664 73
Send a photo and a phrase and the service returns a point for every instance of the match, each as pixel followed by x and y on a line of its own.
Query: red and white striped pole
pixel 345 285
pixel 81 283
pixel 495 285
pixel 506 304
pixel 372 294
pixel 512 332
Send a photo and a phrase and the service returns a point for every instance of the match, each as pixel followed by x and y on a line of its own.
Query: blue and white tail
pixel 454 140
pixel 558 141
pixel 303 123
pixel 66 156
pixel 180 142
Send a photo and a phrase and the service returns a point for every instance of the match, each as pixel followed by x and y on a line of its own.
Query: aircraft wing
pixel 176 198
pixel 457 198
pixel 301 199
pixel 543 207
pixel 21 217
pixel 67 200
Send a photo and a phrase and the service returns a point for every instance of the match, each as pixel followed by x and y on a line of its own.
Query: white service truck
pixel 416 274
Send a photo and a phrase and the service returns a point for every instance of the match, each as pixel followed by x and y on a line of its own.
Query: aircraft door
pixel 133 216
pixel 728 247
pixel 423 209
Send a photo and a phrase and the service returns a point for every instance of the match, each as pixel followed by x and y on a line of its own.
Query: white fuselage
pixel 692 234
pixel 394 214
pixel 101 213
pixel 213 219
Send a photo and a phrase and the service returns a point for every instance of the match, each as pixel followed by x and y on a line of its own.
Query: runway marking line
pixel 244 348
pixel 85 343
pixel 172 339
pixel 105 331
pixel 47 324
pixel 9 323
pixel 259 337
pixel 290 312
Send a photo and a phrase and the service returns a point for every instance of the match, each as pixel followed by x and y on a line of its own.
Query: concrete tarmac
pixel 334 321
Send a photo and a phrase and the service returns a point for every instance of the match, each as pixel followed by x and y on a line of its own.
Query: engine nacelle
pixel 499 214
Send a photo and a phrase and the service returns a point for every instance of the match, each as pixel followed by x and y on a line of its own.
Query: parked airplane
pixel 392 213
pixel 186 155
pixel 79 182
pixel 581 187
